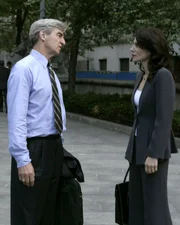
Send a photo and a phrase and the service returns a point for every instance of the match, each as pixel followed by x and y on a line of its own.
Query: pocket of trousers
pixel 35 152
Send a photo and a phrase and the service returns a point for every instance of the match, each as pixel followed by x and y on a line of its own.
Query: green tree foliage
pixel 89 22
pixel 163 14
pixel 16 14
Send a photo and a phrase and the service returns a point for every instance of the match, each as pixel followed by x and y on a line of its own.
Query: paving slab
pixel 101 153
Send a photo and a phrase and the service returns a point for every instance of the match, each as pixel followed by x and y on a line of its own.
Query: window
pixel 124 65
pixel 103 64
pixel 82 65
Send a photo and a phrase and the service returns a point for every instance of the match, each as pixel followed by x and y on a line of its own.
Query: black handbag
pixel 121 201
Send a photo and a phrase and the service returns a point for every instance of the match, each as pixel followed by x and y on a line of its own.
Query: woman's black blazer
pixel 154 119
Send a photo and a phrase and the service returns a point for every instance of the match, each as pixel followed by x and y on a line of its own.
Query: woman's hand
pixel 151 165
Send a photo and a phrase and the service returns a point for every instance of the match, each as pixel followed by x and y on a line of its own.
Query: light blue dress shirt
pixel 30 106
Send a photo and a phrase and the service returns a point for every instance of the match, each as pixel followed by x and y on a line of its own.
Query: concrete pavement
pixel 101 153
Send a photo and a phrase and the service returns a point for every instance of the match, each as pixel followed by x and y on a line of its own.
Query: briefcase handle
pixel 125 177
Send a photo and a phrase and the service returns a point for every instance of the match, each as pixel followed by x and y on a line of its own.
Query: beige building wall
pixel 112 54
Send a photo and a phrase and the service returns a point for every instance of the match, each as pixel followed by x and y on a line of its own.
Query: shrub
pixel 110 107
pixel 176 123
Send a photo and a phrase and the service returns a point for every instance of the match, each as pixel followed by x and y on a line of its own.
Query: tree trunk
pixel 18 26
pixel 20 19
pixel 72 64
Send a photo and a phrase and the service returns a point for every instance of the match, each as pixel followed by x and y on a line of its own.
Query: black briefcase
pixel 121 201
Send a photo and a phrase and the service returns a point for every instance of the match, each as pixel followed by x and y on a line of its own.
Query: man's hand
pixel 151 165
pixel 26 175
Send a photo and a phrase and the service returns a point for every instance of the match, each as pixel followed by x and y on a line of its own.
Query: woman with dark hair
pixel 151 142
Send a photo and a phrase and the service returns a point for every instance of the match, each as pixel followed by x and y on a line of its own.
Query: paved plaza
pixel 101 153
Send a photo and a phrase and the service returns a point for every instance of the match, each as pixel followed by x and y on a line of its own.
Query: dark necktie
pixel 56 101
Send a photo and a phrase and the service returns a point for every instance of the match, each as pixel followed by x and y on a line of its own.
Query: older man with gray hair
pixel 36 120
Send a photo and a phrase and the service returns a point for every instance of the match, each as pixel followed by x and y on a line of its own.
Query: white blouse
pixel 137 96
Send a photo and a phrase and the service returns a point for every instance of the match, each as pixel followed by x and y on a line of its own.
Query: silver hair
pixel 46 25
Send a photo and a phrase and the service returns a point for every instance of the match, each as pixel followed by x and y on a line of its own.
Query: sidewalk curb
pixel 106 124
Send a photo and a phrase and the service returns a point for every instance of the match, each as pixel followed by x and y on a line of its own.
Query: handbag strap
pixel 125 177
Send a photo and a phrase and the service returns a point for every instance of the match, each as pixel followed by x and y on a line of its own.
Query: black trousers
pixel 37 205
pixel 148 201
pixel 3 98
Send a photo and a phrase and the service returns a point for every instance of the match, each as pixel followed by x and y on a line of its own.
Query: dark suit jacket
pixel 72 167
pixel 154 119
pixel 4 75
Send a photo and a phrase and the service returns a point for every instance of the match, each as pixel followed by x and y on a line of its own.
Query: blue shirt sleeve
pixel 19 86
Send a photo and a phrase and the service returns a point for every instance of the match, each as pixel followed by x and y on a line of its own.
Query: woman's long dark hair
pixel 153 40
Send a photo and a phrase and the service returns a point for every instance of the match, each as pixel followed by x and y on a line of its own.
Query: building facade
pixel 116 58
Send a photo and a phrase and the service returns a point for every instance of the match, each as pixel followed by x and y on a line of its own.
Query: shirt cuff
pixel 22 160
